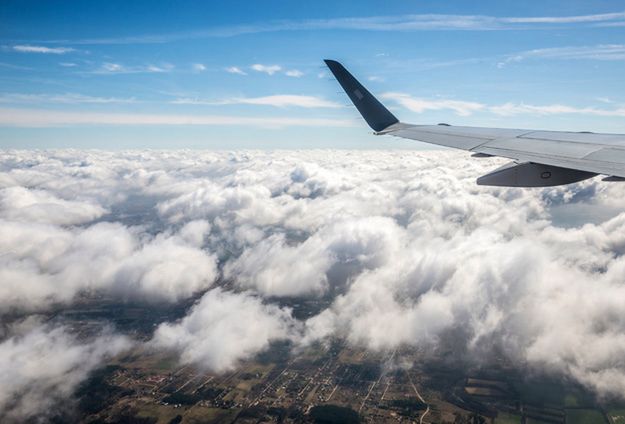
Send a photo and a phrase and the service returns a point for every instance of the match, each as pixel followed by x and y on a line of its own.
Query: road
pixel 427 409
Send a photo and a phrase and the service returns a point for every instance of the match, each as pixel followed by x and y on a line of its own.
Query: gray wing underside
pixel 539 154
pixel 596 153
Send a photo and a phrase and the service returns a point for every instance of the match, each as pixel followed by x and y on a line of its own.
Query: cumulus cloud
pixel 24 205
pixel 41 368
pixel 42 265
pixel 273 267
pixel 295 73
pixel 404 249
pixel 267 69
pixel 225 328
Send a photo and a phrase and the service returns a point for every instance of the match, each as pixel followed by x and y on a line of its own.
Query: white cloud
pixel 45 264
pixel 375 78
pixel 403 246
pixel 273 266
pixel 225 328
pixel 41 369
pixel 198 67
pixel 267 69
pixel 606 52
pixel 602 17
pixel 467 108
pixel 22 204
pixel 294 73
pixel 510 109
pixel 25 48
pixel 409 22
pixel 461 108
pixel 117 68
pixel 434 22
pixel 235 70
pixel 112 67
pixel 68 64
pixel 154 68
pixel 46 118
pixel 66 98
pixel 277 100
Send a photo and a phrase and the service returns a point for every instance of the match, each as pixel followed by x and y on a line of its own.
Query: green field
pixel 535 421
pixel 584 416
pixel 617 415
pixel 543 393
pixel 505 418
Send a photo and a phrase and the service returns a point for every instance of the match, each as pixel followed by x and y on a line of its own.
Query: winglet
pixel 377 116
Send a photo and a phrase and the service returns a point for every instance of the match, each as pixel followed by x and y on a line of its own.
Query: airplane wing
pixel 540 158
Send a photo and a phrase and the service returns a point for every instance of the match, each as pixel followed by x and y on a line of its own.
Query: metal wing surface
pixel 541 158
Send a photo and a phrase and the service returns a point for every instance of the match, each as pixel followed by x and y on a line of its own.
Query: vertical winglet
pixel 377 116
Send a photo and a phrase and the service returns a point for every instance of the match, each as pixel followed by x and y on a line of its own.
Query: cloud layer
pixel 224 328
pixel 403 247
pixel 44 366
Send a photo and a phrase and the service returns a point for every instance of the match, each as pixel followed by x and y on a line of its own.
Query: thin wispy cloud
pixel 511 109
pixel 12 66
pixel 601 17
pixel 26 48
pixel 279 100
pixel 418 105
pixel 599 52
pixel 412 22
pixel 267 69
pixel 67 98
pixel 118 68
pixel 13 117
pixel 467 108
pixel 154 68
pixel 235 70
pixel 112 67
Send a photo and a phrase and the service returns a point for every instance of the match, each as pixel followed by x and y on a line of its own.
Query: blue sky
pixel 247 74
